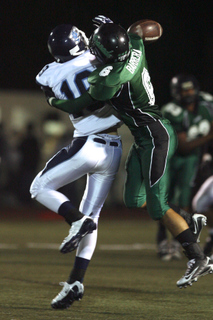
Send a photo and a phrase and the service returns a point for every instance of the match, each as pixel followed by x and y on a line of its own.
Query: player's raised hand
pixel 99 20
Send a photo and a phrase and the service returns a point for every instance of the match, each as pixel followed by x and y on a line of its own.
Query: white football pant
pixel 96 156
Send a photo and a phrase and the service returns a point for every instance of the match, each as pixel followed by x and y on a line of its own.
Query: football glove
pixel 99 20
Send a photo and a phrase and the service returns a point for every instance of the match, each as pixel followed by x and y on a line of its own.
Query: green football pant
pixel 147 168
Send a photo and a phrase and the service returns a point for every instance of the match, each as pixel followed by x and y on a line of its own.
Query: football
pixel 149 30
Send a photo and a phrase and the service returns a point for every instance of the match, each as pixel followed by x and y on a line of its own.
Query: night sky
pixel 186 44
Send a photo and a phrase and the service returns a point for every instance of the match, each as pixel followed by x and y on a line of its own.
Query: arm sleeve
pixel 102 92
pixel 75 105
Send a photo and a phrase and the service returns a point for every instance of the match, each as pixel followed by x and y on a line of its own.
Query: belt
pixel 112 143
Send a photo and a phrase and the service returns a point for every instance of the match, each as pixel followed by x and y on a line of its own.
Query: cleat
pixel 69 294
pixel 78 230
pixel 196 268
pixel 197 223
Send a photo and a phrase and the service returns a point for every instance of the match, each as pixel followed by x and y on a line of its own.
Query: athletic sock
pixel 70 213
pixel 79 270
pixel 186 237
pixel 189 244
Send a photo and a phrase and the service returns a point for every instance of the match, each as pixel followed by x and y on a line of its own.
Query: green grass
pixel 119 284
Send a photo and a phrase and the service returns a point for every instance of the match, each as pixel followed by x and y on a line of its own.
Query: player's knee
pixel 33 191
pixel 34 188
pixel 156 217
pixel 155 212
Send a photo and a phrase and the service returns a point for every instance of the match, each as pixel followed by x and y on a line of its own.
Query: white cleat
pixel 196 268
pixel 78 230
pixel 69 294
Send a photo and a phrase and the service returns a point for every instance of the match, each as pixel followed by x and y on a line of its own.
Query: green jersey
pixel 127 85
pixel 195 124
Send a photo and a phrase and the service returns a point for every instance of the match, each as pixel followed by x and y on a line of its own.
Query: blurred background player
pixel 191 114
pixel 30 154
pixel 123 78
pixel 95 152
pixel 203 203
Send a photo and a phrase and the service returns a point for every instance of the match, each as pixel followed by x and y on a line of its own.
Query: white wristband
pixel 50 100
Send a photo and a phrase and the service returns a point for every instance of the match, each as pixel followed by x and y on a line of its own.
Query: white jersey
pixel 68 81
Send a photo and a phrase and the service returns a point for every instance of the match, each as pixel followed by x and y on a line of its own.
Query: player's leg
pixel 97 188
pixel 168 249
pixel 157 183
pixel 203 202
pixel 134 189
pixel 63 168
pixel 105 152
pixel 96 191
pixel 186 180
pixel 66 166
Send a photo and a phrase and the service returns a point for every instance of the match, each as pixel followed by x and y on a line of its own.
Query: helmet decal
pixel 108 54
pixel 74 35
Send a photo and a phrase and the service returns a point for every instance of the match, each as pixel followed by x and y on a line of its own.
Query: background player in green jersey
pixel 123 78
pixel 191 114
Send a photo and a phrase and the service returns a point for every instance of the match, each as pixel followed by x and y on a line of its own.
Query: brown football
pixel 149 30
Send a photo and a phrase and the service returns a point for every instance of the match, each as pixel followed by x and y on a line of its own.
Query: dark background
pixel 186 44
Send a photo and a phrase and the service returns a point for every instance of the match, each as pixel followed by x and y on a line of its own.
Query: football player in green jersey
pixel 191 114
pixel 123 78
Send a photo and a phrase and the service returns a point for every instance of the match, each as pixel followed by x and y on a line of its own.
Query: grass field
pixel 125 279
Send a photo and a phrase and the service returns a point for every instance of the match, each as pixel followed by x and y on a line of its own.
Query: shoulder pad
pixel 172 108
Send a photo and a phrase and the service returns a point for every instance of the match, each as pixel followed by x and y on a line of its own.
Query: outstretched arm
pixel 72 106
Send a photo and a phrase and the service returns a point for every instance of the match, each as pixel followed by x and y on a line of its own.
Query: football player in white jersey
pixel 95 151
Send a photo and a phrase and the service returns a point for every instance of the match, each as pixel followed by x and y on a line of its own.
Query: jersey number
pixel 80 83
pixel 148 86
